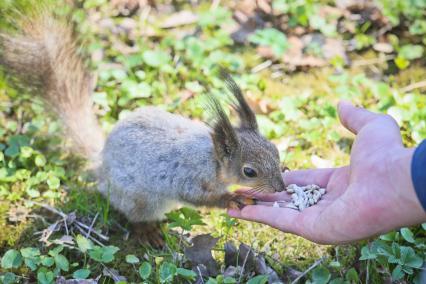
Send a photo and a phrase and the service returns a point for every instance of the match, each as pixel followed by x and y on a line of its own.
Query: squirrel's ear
pixel 224 138
pixel 225 142
pixel 247 116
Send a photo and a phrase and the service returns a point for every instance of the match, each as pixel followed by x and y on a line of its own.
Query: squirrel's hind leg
pixel 149 233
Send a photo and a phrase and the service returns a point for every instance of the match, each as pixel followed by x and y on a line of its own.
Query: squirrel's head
pixel 245 157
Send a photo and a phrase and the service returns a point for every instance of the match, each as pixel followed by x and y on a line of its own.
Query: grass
pixel 297 111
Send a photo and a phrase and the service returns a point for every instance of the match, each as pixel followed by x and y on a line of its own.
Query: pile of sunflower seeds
pixel 303 196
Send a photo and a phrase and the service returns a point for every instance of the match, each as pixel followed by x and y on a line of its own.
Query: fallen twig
pixel 50 208
pixel 244 264
pixel 105 238
pixel 316 263
pixel 92 224
pixel 90 237
pixel 364 62
pixel 411 87
pixel 261 66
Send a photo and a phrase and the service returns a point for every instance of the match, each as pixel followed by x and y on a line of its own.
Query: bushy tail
pixel 44 55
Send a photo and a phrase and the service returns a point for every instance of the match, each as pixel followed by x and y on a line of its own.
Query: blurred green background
pixel 294 60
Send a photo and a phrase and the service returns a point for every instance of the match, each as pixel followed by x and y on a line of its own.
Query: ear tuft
pixel 224 137
pixel 246 115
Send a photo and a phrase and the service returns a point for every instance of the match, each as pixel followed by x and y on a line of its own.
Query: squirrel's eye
pixel 249 172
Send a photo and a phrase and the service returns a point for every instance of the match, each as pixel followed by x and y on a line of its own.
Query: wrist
pixel 399 175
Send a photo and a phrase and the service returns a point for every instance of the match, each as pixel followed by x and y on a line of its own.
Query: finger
pixel 354 118
pixel 313 176
pixel 284 219
pixel 278 196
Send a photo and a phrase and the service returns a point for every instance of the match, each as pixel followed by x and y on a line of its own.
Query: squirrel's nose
pixel 279 184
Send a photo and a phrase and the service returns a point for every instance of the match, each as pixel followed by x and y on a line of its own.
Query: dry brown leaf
pixel 262 268
pixel 181 18
pixel 231 254
pixel 383 47
pixel 18 214
pixel 200 253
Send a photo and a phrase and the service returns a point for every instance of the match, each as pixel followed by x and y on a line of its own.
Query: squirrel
pixel 153 161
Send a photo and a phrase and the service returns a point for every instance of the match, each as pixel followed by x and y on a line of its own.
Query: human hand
pixel 372 195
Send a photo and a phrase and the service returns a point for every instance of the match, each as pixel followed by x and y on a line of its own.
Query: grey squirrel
pixel 152 161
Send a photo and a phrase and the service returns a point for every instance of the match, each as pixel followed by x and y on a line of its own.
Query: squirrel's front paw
pixel 239 201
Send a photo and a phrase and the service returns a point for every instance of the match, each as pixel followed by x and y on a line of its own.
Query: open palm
pixel 372 195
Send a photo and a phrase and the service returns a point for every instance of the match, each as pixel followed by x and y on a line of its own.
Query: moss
pixel 413 74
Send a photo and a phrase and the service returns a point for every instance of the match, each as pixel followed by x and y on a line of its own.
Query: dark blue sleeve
pixel 418 172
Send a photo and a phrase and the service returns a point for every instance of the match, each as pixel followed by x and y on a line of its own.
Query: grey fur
pixel 154 161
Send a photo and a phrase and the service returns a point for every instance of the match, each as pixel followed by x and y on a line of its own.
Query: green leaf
pixel 411 51
pixel 55 251
pixel 53 182
pixel 45 277
pixel 40 160
pixel 186 273
pixel 103 254
pixel 338 281
pixel 229 280
pixel 108 254
pixel 397 273
pixel 136 90
pixel 321 275
pixel 132 259
pixel 352 275
pixel 47 261
pixel 62 262
pixel 12 151
pixel 33 193
pixel 11 259
pixel 8 278
pixel 335 264
pixel 211 281
pixel 81 273
pixel 184 218
pixel 367 254
pixel 408 235
pixel 272 38
pixel 32 263
pixel 401 62
pixel 410 258
pixel 156 58
pixel 167 272
pixel 26 152
pixel 260 279
pixel 30 252
pixel 145 270
pixel 83 243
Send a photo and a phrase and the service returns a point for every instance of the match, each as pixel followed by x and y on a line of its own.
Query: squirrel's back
pixel 154 156
pixel 44 55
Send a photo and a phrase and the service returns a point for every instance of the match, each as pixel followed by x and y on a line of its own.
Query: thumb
pixel 354 118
